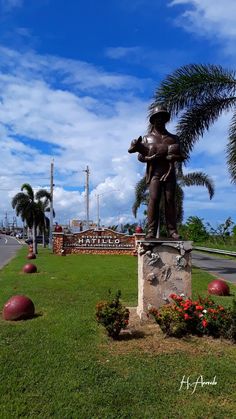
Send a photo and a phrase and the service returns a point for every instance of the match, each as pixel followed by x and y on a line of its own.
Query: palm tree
pixel 200 94
pixel 43 198
pixel 190 179
pixel 30 211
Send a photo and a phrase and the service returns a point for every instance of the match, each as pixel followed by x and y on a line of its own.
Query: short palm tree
pixel 200 94
pixel 190 179
pixel 29 209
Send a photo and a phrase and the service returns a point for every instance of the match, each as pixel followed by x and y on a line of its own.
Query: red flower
pixel 199 308
pixel 204 323
pixel 186 316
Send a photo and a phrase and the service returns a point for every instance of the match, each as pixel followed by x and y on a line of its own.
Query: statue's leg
pixel 155 188
pixel 170 208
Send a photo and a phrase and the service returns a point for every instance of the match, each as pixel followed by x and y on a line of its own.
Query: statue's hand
pixel 142 158
pixel 174 157
pixel 155 156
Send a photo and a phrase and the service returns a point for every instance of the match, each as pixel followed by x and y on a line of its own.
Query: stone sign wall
pixel 99 241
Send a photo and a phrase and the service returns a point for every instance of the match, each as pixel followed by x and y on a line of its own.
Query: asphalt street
pixel 8 249
pixel 222 268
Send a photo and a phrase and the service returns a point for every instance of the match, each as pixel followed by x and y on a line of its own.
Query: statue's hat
pixel 157 110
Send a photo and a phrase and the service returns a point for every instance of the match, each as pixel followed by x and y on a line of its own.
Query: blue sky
pixel 76 79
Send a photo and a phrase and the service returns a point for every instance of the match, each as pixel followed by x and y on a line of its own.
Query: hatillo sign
pixel 94 241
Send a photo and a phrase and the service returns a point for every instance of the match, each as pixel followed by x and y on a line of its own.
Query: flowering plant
pixel 200 317
pixel 112 315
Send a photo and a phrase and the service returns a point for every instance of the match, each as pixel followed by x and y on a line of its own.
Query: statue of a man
pixel 160 150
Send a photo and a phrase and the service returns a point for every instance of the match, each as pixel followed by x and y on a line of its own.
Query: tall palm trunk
pixel 43 234
pixel 35 247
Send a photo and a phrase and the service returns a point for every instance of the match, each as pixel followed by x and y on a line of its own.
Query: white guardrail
pixel 210 250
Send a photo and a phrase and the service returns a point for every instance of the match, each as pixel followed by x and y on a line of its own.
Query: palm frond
pixel 140 195
pixel 19 197
pixel 231 149
pixel 194 83
pixel 195 121
pixel 29 190
pixel 198 179
pixel 43 193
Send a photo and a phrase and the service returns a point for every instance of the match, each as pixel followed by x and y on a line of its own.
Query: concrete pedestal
pixel 164 267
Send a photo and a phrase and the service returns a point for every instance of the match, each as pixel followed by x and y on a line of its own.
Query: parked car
pixel 19 235
pixel 39 240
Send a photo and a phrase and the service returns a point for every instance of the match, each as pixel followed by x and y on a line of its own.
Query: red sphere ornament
pixel 29 268
pixel 58 229
pixel 218 287
pixel 138 230
pixel 31 255
pixel 19 307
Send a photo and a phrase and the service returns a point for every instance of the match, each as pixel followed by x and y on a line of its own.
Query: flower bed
pixel 200 317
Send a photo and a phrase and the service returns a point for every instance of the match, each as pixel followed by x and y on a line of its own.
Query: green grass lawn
pixel 61 364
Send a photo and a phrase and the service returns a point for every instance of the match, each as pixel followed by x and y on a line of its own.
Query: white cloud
pixel 208 17
pixel 40 112
pixel 48 110
pixel 121 52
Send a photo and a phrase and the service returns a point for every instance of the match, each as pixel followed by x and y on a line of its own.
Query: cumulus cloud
pixel 208 17
pixel 50 108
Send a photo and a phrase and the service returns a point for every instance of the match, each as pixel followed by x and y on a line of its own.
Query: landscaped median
pixel 62 364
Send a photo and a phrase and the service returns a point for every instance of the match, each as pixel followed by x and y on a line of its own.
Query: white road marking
pixel 5 241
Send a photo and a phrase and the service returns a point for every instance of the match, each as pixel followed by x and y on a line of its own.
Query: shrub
pixel 112 315
pixel 169 320
pixel 201 317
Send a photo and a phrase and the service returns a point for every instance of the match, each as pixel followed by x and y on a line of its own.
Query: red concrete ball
pixel 19 307
pixel 138 229
pixel 58 229
pixel 218 287
pixel 31 255
pixel 29 268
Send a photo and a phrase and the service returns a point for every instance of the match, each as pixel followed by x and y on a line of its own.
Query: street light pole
pixel 51 204
pixel 98 204
pixel 87 195
pixel 98 215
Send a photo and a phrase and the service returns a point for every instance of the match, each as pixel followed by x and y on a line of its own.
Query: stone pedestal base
pixel 164 268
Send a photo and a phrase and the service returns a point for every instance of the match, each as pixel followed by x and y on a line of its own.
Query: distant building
pixel 80 225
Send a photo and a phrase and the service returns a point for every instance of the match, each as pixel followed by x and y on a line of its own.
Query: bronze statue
pixel 160 150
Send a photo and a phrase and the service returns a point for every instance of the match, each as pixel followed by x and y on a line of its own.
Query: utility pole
pixel 6 222
pixel 51 204
pixel 87 173
pixel 98 212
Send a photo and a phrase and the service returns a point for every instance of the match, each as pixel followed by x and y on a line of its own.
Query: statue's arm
pixel 178 156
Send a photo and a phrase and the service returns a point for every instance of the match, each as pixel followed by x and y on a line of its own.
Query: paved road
pixel 222 268
pixel 8 248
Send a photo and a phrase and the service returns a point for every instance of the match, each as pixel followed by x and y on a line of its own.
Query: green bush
pixel 112 315
pixel 169 320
